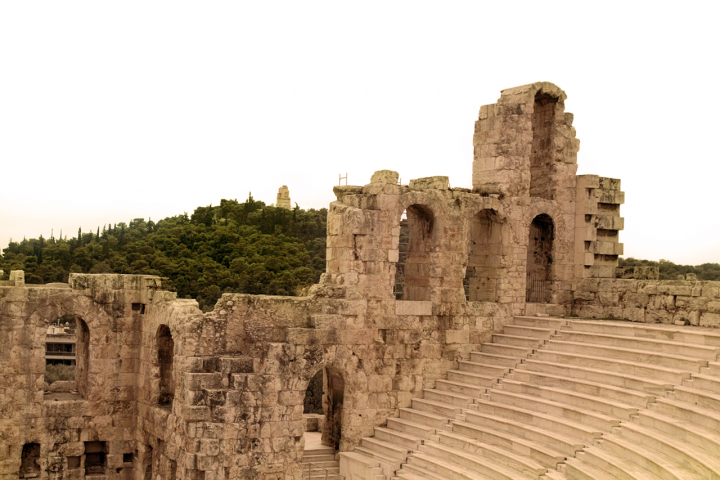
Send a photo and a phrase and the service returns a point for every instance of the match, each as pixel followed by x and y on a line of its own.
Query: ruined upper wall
pixel 525 145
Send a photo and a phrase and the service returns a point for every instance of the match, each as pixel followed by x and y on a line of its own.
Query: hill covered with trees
pixel 670 271
pixel 234 247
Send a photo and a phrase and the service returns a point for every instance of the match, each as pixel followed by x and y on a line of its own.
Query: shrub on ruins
pixel 671 271
pixel 237 247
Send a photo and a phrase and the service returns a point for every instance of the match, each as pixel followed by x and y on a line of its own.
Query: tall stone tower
pixel 283 197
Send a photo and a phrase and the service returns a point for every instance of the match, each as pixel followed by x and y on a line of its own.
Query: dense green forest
pixel 234 247
pixel 670 271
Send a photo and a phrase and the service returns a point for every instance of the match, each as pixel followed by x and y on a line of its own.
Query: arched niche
pixel 412 274
pixel 541 237
pixel 485 267
pixel 543 181
pixel 165 359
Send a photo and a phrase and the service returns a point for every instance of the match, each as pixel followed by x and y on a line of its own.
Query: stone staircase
pixel 323 463
pixel 554 398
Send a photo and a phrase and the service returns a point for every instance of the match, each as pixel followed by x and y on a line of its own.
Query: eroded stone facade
pixel 169 392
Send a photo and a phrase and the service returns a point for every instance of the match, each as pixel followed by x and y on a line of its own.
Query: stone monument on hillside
pixel 283 197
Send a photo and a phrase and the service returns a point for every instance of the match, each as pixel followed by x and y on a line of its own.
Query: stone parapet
pixel 649 301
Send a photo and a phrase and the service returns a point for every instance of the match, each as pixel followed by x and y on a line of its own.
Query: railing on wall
pixel 537 290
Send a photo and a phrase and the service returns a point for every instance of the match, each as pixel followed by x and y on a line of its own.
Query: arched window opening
pixel 165 356
pixel 333 406
pixel 313 403
pixel 542 172
pixel 30 461
pixel 484 269
pixel 67 355
pixel 540 259
pixel 412 274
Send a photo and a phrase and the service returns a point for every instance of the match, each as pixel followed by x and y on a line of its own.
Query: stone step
pixel 328 464
pixel 408 475
pixel 606 377
pixel 387 464
pixel 644 344
pixel 688 412
pixel 471 378
pixel 505 350
pixel 579 470
pixel 323 457
pixel 409 427
pixel 387 449
pixel 482 368
pixel 541 322
pixel 405 440
pixel 516 341
pixel 462 388
pixel 701 462
pixel 697 396
pixel 528 331
pixel 657 464
pixel 613 465
pixel 553 475
pixel 703 382
pixel 424 418
pixel 483 465
pixel 320 448
pixel 681 431
pixel 541 420
pixel 442 469
pixel 677 334
pixel 713 368
pixel 494 359
pixel 438 408
pixel 517 445
pixel 521 463
pixel 416 472
pixel 595 403
pixel 554 440
pixel 677 362
pixel 558 409
pixel 322 476
pixel 452 398
pixel 641 370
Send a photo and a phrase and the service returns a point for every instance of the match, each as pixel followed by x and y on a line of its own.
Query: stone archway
pixel 540 253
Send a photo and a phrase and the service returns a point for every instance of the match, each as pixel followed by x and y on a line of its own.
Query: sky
pixel 111 111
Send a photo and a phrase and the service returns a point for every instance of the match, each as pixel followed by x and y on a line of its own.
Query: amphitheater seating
pixel 554 398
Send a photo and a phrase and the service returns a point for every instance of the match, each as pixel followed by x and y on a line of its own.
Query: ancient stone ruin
pixel 443 334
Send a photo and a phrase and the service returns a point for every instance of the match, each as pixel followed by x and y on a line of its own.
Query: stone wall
pixel 690 302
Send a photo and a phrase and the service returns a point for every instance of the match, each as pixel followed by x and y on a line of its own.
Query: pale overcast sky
pixel 111 111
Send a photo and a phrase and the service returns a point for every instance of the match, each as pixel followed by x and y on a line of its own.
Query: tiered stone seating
pixel 559 398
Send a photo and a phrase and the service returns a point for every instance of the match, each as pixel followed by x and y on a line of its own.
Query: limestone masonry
pixel 418 277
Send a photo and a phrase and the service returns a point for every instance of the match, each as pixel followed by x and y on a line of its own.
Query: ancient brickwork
pixel 690 302
pixel 597 225
pixel 163 391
